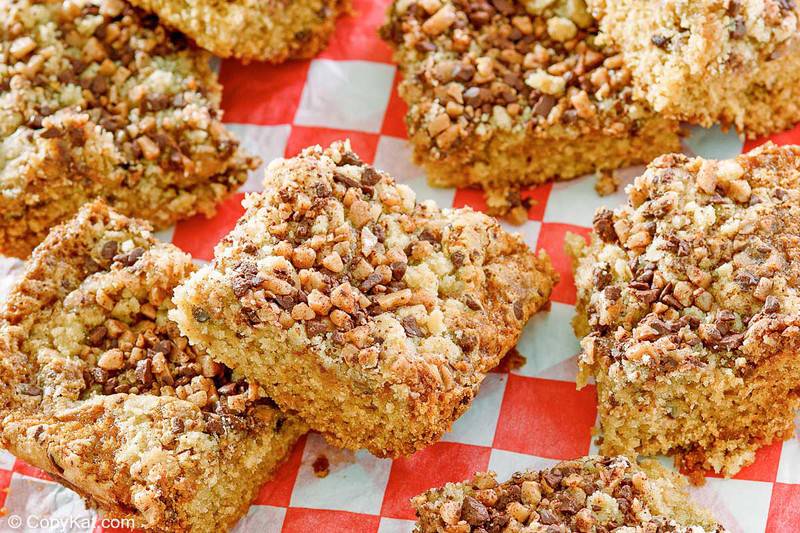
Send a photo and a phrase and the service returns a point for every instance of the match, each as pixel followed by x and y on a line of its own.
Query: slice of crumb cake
pixel 688 300
pixel 374 316
pixel 102 392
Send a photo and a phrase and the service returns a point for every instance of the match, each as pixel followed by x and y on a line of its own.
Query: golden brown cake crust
pixel 688 297
pixel 593 493
pixel 101 391
pixel 731 61
pixel 503 94
pixel 257 30
pixel 99 100
pixel 373 315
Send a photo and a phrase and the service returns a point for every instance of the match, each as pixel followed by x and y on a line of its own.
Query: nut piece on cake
pixel 98 100
pixel 503 94
pixel 688 297
pixel 252 30
pixel 372 315
pixel 592 493
pixel 101 391
pixel 734 61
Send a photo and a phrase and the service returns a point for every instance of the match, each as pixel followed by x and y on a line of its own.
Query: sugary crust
pixel 747 53
pixel 99 100
pixel 254 30
pixel 688 297
pixel 101 391
pixel 593 493
pixel 374 316
pixel 493 87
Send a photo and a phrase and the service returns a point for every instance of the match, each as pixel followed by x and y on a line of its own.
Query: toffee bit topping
pixel 346 180
pixel 411 327
pixel 131 257
pixel 519 310
pixel 321 466
pixel 739 29
pixel 246 278
pixel 604 225
pixel 660 41
pixel 200 314
pixel 474 512
pixel 52 133
pixel 350 158
pixel 370 176
pixel 472 303
pixel 109 250
pixel 771 305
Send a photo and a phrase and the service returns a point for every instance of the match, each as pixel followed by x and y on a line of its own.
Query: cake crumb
pixel 696 478
pixel 321 466
pixel 512 361
pixel 508 204
pixel 607 182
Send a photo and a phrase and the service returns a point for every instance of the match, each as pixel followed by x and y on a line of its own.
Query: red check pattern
pixel 530 417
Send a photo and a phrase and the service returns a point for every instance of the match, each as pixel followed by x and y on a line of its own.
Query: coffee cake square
pixel 735 61
pixel 688 301
pixel 99 100
pixel 374 316
pixel 593 493
pixel 252 31
pixel 102 392
pixel 503 94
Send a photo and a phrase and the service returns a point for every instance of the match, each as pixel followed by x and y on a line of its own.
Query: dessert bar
pixel 97 99
pixel 585 495
pixel 735 61
pixel 102 392
pixel 373 315
pixel 258 31
pixel 505 94
pixel 688 301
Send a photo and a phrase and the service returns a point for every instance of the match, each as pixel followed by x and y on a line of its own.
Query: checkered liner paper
pixel 530 417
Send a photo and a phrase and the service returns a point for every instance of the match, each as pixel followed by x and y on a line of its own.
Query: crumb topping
pixel 700 268
pixel 340 256
pixel 589 494
pixel 483 67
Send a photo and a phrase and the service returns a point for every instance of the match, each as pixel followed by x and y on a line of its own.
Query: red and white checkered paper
pixel 530 417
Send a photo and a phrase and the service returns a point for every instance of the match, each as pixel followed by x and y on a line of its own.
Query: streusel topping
pixel 478 67
pixel 700 268
pixel 590 494
pixel 344 258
